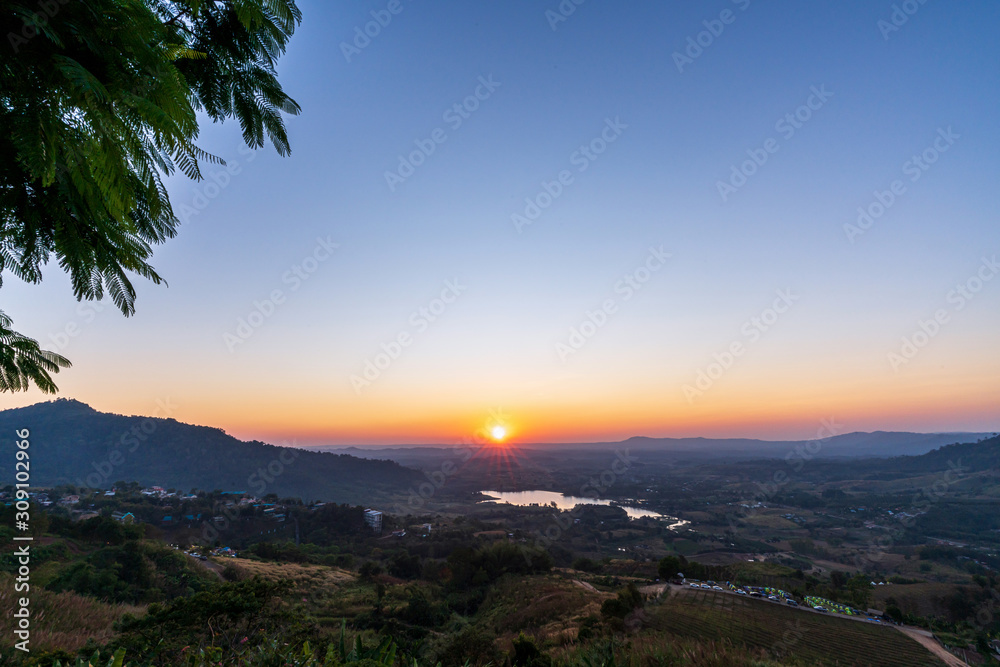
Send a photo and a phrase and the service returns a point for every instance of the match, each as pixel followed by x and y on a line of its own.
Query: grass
pixel 548 607
pixel 306 576
pixel 927 599
pixel 61 620
pixel 659 651
pixel 773 521
pixel 328 592
pixel 686 547
pixel 786 633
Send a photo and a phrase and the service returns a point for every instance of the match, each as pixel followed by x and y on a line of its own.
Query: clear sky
pixel 698 170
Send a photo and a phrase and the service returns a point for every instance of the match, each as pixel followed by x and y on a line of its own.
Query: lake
pixel 564 502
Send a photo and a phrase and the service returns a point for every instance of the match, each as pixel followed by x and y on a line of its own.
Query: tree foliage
pixel 670 566
pixel 23 362
pixel 99 102
pixel 218 618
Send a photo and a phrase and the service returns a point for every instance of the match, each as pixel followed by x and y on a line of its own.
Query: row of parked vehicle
pixel 773 594
pixel 778 595
pixel 822 604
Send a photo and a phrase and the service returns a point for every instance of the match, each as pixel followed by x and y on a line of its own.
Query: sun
pixel 498 433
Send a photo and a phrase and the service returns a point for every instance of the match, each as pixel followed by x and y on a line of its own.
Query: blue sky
pixel 497 344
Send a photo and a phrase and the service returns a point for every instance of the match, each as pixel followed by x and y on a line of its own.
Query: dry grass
pixel 548 607
pixel 772 521
pixel 305 576
pixel 61 620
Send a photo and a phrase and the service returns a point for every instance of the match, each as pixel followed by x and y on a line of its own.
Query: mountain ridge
pixel 856 444
pixel 72 443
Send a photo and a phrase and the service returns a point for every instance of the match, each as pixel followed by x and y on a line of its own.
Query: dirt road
pixel 932 645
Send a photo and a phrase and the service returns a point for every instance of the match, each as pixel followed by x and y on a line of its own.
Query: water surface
pixel 564 502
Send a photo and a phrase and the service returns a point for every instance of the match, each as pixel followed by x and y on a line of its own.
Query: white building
pixel 374 519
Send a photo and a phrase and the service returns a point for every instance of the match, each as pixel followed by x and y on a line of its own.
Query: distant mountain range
pixel 71 443
pixel 879 444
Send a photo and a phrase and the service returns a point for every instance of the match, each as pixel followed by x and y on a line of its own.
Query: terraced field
pixel 786 632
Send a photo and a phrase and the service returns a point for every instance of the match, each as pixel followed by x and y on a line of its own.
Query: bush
pixel 369 570
pixel 405 566
pixel 670 566
pixel 895 613
pixel 589 628
pixel 621 606
pixel 473 646
pixel 526 654
pixel 233 573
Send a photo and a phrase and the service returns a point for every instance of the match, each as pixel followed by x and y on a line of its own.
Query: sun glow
pixel 498 433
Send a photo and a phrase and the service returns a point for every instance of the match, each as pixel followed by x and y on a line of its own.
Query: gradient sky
pixel 495 347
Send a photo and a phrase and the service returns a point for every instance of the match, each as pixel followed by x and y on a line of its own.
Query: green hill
pixel 971 456
pixel 71 443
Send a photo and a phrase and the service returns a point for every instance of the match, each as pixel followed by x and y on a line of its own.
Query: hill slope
pixel 973 456
pixel 71 443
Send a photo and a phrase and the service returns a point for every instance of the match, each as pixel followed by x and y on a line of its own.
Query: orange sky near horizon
pixel 732 409
pixel 782 389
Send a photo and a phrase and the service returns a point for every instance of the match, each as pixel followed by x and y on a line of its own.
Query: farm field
pixel 786 632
